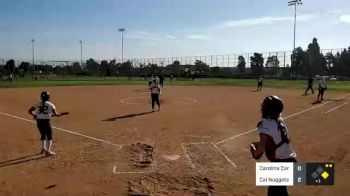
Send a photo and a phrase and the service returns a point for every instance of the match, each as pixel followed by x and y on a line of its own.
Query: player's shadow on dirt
pixel 127 116
pixel 20 160
pixel 319 102
pixel 142 90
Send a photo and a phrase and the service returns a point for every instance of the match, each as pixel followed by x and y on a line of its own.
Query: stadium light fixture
pixel 121 30
pixel 295 3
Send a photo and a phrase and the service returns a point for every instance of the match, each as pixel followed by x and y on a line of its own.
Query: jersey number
pixel 43 110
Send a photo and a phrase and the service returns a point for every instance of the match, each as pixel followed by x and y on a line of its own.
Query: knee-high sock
pixel 43 144
pixel 48 145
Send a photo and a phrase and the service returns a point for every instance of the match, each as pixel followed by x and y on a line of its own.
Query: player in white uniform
pixel 155 92
pixel 322 86
pixel 43 112
pixel 274 138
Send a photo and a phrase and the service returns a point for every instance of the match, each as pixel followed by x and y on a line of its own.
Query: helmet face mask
pixel 271 107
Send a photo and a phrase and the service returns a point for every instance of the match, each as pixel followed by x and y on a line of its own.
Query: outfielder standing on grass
pixel 155 92
pixel 274 139
pixel 43 111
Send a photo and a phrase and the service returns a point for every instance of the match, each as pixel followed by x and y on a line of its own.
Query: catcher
pixel 274 138
pixel 43 112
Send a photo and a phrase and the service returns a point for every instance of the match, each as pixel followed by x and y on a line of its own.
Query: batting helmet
pixel 45 96
pixel 271 107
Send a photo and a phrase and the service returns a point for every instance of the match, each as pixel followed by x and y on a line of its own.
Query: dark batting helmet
pixel 271 107
pixel 45 96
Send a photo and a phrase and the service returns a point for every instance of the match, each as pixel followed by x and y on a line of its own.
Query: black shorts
pixel 45 130
pixel 322 90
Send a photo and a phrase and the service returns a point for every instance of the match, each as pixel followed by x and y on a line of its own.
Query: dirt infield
pixel 111 144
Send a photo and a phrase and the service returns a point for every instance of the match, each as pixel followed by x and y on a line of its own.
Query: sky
pixel 165 28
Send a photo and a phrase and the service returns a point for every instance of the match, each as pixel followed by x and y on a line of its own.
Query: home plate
pixel 171 157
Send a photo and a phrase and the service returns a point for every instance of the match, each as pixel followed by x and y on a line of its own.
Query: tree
pixel 272 65
pixel 125 68
pixel 300 62
pixel 341 66
pixel 104 68
pixel 174 68
pixel 76 68
pixel 316 59
pixel 201 68
pixel 112 67
pixel 10 66
pixel 24 67
pixel 215 71
pixel 257 64
pixel 92 66
pixel 153 69
pixel 330 61
pixel 241 65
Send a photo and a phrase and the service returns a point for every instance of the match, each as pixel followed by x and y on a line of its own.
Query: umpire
pixel 310 84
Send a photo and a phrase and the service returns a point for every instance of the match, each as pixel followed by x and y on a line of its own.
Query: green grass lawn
pixel 84 81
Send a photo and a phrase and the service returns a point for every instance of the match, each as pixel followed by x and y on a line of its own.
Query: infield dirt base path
pixel 122 147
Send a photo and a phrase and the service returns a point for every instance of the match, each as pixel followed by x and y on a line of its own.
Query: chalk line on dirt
pixel 64 130
pixel 189 160
pixel 129 172
pixel 226 157
pixel 124 101
pixel 289 116
pixel 331 110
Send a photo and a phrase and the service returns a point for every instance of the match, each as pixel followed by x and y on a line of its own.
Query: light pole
pixel 81 53
pixel 33 51
pixel 121 30
pixel 295 3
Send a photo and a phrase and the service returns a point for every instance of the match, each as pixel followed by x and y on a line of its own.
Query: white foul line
pixel 289 116
pixel 129 98
pixel 336 108
pixel 191 100
pixel 223 154
pixel 187 156
pixel 129 172
pixel 65 130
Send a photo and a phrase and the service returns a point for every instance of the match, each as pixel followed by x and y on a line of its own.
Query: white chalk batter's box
pixel 289 174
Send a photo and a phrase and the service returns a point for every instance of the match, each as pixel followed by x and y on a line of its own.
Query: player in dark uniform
pixel 161 80
pixel 260 84
pixel 310 84
pixel 274 139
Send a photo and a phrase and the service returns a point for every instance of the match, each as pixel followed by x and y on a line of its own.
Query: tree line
pixel 304 63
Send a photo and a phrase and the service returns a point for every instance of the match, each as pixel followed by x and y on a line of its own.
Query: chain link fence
pixel 223 60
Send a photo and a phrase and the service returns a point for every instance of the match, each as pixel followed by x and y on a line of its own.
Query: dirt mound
pixel 166 184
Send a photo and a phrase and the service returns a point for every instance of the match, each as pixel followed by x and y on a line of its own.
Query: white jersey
pixel 322 82
pixel 155 88
pixel 44 112
pixel 270 127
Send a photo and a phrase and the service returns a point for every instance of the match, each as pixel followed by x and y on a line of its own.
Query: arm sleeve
pixel 263 128
pixel 53 107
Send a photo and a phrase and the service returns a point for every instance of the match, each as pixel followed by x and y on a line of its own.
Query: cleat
pixel 49 153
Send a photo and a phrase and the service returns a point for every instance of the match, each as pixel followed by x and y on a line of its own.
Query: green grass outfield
pixel 85 81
